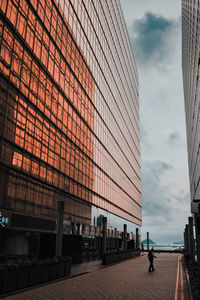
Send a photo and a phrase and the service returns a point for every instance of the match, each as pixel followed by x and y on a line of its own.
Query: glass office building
pixel 69 124
pixel 190 67
pixel 191 81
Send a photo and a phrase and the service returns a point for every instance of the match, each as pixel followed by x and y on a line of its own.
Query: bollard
pixel 116 238
pixel 147 241
pixel 104 237
pixel 137 239
pixel 125 238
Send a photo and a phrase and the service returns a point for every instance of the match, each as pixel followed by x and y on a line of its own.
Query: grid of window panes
pixel 191 72
pixel 69 105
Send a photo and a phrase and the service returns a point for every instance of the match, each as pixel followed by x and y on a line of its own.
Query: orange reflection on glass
pixel 56 132
pixel 17 160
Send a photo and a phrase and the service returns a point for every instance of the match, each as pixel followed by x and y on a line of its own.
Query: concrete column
pixel 80 229
pixel 137 239
pixel 191 239
pixel 125 237
pixel 104 237
pixel 59 229
pixel 147 241
pixel 197 230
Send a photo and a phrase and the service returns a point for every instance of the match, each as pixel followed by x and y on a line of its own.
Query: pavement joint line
pixel 177 281
pixel 182 291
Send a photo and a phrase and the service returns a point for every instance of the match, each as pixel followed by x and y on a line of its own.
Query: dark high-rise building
pixel 69 126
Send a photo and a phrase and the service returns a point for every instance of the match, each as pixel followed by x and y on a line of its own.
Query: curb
pixel 188 280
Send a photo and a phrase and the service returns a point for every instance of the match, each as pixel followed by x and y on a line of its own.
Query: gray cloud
pixel 144 137
pixel 173 138
pixel 183 198
pixel 150 38
pixel 143 133
pixel 156 199
pixel 162 207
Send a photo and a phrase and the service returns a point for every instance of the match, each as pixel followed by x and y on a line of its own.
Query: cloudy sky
pixel 154 28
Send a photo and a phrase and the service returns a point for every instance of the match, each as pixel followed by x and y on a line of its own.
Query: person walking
pixel 151 257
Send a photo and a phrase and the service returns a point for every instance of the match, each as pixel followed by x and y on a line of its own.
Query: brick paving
pixel 126 280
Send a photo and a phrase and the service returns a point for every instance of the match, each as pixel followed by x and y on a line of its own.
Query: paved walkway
pixel 126 280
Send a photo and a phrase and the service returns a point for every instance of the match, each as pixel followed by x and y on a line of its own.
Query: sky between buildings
pixel 154 28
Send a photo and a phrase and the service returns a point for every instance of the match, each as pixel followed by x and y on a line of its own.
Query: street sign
pixel 4 218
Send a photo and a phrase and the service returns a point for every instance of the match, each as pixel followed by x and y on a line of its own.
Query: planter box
pixel 61 269
pixel 112 258
pixel 44 273
pixel 1 281
pixel 22 278
pixel 53 274
pixel 9 281
pixel 34 276
pixel 68 268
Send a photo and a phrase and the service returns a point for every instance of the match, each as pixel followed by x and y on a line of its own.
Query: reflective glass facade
pixel 69 119
pixel 191 72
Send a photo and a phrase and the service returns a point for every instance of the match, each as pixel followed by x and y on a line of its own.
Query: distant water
pixel 164 247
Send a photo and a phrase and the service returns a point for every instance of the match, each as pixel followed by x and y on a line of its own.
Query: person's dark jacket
pixel 151 256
